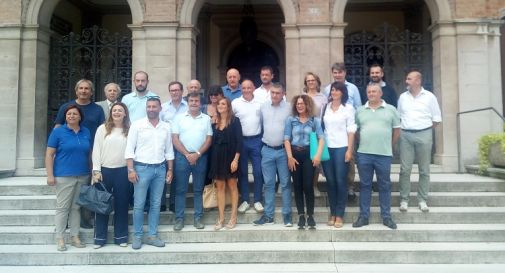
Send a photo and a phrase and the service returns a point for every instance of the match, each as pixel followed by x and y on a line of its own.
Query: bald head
pixel 233 78
pixel 193 86
pixel 248 89
pixel 414 81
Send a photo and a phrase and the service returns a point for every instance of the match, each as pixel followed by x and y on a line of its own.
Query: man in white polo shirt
pixel 419 114
pixel 247 109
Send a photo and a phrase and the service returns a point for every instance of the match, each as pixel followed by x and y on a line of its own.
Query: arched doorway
pixel 91 41
pixel 223 42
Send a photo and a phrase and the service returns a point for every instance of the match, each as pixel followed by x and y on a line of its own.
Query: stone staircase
pixel 465 225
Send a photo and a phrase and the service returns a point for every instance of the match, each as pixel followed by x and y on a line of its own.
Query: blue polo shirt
pixel 231 94
pixel 72 151
pixel 93 116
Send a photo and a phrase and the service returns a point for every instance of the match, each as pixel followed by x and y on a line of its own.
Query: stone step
pixel 260 252
pixel 265 268
pixel 35 235
pixel 438 199
pixel 437 215
pixel 440 182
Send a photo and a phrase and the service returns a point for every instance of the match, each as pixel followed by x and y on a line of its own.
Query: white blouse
pixel 108 151
pixel 338 124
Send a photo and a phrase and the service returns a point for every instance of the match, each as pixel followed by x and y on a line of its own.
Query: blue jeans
pixel 275 162
pixel 149 177
pixel 251 149
pixel 381 165
pixel 182 171
pixel 336 170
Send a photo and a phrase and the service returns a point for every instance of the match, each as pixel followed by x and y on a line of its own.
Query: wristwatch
pixel 198 153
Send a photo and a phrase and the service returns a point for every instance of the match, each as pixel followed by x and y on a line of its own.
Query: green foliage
pixel 484 143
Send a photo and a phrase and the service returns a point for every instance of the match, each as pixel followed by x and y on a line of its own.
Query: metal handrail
pixel 458 128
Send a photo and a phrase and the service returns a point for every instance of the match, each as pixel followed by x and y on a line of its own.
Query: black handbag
pixel 93 199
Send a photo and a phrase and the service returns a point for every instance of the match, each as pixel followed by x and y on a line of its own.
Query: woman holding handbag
pixel 109 168
pixel 339 127
pixel 226 147
pixel 297 142
pixel 67 166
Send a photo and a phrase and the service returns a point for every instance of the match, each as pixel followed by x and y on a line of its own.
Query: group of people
pixel 141 142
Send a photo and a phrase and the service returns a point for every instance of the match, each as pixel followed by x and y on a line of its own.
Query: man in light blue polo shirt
pixel 191 136
pixel 136 100
pixel 379 129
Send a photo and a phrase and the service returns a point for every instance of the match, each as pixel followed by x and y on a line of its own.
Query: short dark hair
pixel 153 98
pixel 194 95
pixel 267 67
pixel 339 66
pixel 73 106
pixel 278 85
pixel 340 86
pixel 174 83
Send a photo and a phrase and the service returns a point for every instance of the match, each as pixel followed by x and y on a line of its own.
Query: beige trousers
pixel 67 211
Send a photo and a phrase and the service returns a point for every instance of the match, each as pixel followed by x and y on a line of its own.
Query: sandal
pixel 331 221
pixel 231 224
pixel 219 225
pixel 339 222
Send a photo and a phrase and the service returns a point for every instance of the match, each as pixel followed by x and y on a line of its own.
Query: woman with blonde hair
pixel 109 168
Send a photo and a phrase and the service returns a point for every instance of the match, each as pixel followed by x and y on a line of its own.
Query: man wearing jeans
pixel 274 160
pixel 247 109
pixel 378 129
pixel 192 136
pixel 420 114
pixel 149 156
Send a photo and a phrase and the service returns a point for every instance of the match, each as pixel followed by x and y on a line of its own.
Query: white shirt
pixel 418 112
pixel 249 114
pixel 262 95
pixel 352 91
pixel 337 124
pixel 108 151
pixel 148 144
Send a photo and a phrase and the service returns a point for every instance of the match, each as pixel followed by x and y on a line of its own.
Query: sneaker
pixel 123 244
pixel 388 222
pixel 264 220
pixel 360 222
pixel 243 207
pixel 424 207
pixel 97 246
pixel 301 222
pixel 258 207
pixel 60 245
pixel 404 206
pixel 155 241
pixel 287 220
pixel 310 222
pixel 137 243
pixel 179 225
pixel 198 224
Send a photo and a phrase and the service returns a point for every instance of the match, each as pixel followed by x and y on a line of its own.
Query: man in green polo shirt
pixel 378 129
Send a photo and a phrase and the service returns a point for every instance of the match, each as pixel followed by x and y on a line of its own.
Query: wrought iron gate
pixel 95 55
pixel 397 51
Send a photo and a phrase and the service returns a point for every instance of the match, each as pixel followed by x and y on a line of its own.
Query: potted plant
pixel 491 151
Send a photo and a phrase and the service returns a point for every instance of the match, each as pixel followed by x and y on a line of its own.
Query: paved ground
pixel 265 268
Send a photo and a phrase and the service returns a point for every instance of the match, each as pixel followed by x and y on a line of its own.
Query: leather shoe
pixel 388 222
pixel 362 221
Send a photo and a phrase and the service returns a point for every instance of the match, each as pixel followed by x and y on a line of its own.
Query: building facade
pixel 457 45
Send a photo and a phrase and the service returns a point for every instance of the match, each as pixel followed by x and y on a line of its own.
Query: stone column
pixel 10 43
pixel 478 74
pixel 336 44
pixel 155 51
pixel 186 54
pixel 293 75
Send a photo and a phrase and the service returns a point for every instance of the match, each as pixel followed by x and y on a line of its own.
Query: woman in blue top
pixel 297 141
pixel 68 167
